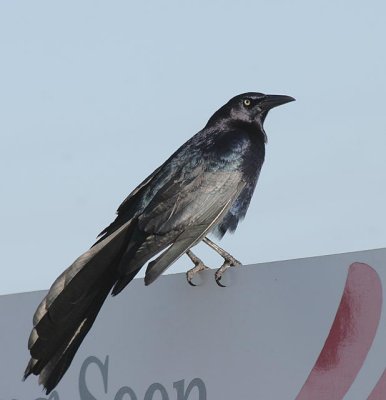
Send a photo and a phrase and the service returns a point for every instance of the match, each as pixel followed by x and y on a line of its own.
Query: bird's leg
pixel 199 266
pixel 229 260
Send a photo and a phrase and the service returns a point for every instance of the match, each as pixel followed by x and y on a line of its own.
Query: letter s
pixel 103 367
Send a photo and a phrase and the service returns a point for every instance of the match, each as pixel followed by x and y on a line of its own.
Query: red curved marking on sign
pixel 350 337
pixel 379 391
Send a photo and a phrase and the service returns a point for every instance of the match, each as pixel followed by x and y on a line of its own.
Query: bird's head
pixel 248 109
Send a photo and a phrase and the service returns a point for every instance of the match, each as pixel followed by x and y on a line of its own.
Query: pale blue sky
pixel 95 95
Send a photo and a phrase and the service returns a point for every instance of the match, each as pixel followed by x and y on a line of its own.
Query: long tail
pixel 68 311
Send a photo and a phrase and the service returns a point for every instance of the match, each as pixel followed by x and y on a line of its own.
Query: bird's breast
pixel 239 150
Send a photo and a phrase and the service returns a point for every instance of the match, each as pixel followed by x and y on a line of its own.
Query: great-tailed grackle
pixel 205 186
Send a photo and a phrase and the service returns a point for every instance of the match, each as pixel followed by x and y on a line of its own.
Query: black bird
pixel 205 186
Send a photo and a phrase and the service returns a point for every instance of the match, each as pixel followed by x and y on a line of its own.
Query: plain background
pixel 95 95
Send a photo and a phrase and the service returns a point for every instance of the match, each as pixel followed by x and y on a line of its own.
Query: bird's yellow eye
pixel 247 102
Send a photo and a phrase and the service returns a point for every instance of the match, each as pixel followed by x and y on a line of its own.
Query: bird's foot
pixel 229 262
pixel 199 266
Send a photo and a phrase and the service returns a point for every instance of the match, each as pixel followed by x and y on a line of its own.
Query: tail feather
pixel 54 370
pixel 67 313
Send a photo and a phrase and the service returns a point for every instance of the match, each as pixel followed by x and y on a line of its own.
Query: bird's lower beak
pixel 274 100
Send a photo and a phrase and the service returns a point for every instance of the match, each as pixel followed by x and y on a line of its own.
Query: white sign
pixel 307 329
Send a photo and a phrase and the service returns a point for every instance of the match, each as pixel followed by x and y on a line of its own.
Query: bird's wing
pixel 185 202
pixel 180 215
pixel 190 236
pixel 179 167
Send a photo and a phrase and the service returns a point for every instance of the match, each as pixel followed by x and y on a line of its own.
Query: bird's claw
pixel 199 266
pixel 218 279
pixel 229 262
pixel 190 281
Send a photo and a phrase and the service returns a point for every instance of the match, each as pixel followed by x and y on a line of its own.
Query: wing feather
pixel 191 236
pixel 181 215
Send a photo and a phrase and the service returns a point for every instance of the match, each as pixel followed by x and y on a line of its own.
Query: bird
pixel 204 187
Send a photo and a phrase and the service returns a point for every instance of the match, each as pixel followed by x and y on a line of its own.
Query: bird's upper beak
pixel 274 100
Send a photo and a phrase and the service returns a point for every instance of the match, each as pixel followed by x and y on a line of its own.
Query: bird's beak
pixel 274 100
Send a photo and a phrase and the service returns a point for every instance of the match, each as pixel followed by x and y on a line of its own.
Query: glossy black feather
pixel 205 186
